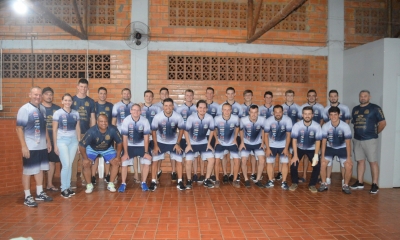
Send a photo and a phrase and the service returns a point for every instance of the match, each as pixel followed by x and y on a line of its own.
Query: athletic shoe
pixel 231 178
pixel 323 187
pixel 293 187
pixel 144 187
pixel 30 202
pixel 279 176
pixel 72 193
pixel 208 183
pixel 153 186
pixel 43 197
pixel 111 187
pixel 107 178
pixel 269 184
pixel 89 188
pixel 313 189
pixel 65 194
pixel 259 184
pixel 342 182
pixel 181 186
pixel 159 174
pixel 346 189
pixel 285 186
pixel 357 185
pixel 217 183
pixel 328 181
pixel 247 183
pixel 201 179
pixel 195 178
pixel 189 184
pixel 225 179
pixel 122 187
pixel 213 178
pixel 374 188
pixel 236 184
pixel 253 177
pixel 238 177
pixel 93 180
pixel 174 177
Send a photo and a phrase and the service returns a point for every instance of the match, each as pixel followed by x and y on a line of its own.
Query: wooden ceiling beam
pixel 250 6
pixel 83 30
pixel 255 21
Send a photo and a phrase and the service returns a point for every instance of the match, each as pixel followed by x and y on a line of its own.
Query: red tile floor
pixel 201 213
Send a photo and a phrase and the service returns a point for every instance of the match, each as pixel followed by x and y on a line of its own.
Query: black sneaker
pixel 195 178
pixel 278 176
pixel 189 184
pixel 374 188
pixel 259 184
pixel 238 177
pixel 43 197
pixel 174 177
pixel 225 179
pixel 159 174
pixel 213 178
pixel 247 184
pixel 253 177
pixel 201 179
pixel 30 202
pixel 181 186
pixel 65 194
pixel 107 178
pixel 357 185
pixel 93 180
pixel 72 193
pixel 208 183
pixel 153 186
pixel 231 178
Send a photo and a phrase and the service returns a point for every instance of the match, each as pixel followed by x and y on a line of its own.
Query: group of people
pixel 125 134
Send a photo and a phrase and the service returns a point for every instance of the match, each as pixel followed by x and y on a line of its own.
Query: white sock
pixel 27 193
pixel 179 180
pixel 153 180
pixel 39 189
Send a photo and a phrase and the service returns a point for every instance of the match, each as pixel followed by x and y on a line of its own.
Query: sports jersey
pixel 245 109
pixel 33 121
pixel 252 130
pixel 198 128
pixel 265 112
pixel 336 136
pixel 150 111
pixel 291 111
pixel 160 105
pixel 277 131
pixel 85 107
pixel 185 111
pixel 166 127
pixel 49 118
pixel 226 129
pixel 213 109
pixel 344 113
pixel 318 111
pixel 120 111
pixel 99 141
pixel 306 135
pixel 66 122
pixel 105 108
pixel 365 120
pixel 135 130
pixel 236 109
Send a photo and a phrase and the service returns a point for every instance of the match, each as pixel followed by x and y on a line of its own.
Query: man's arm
pixel 92 119
pixel 20 134
pixel 295 157
pixel 323 147
pixel 188 144
pixel 268 151
pixel 146 147
pixel 348 148
pixel 381 126
pixel 114 121
pixel 125 147
pixel 242 140
pixel 287 143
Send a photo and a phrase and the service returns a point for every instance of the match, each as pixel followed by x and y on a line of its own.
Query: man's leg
pixel 374 171
pixel 285 170
pixel 236 166
pixel 244 167
pixel 216 167
pixel 136 169
pixel 253 165
pixel 224 164
pixel 361 170
pixel 154 167
pixel 348 169
pixel 50 175
pixel 195 160
pixel 305 167
pixel 260 168
pixel 74 172
pixel 94 170
pixel 188 165
pixel 87 172
pixel 145 172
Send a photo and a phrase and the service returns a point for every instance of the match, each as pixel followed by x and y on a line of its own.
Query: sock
pixel 179 180
pixel 153 180
pixel 27 193
pixel 39 189
pixel 143 182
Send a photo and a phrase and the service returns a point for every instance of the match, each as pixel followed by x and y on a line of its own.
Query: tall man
pixel 369 121
pixel 266 110
pixel 35 146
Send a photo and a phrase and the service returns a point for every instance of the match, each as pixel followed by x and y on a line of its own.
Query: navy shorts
pixel 37 161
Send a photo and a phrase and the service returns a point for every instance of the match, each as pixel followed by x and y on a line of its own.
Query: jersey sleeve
pixel 289 125
pixel 87 138
pixel 347 132
pixel 237 124
pixel 125 127
pixel 347 115
pixel 318 135
pixel 146 130
pixel 117 136
pixel 379 114
pixel 295 131
pixel 22 117
pixel 181 123
pixel 115 111
pixel 267 125
pixel 189 124
pixel 92 107
pixel 325 115
pixel 324 130
pixel 154 123
pixel 56 116
pixel 241 124
pixel 212 124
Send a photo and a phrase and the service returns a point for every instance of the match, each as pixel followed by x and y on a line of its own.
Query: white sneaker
pixel 328 181
pixel 89 188
pixel 111 187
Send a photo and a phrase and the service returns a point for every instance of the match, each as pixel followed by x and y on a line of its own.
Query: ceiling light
pixel 20 7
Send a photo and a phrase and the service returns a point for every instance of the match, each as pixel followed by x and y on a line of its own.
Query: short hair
pixel 126 89
pixel 135 104
pixel 201 101
pixel 307 108
pixel 334 110
pixel 66 95
pixel 164 88
pixel 36 87
pixel 268 93
pixel 189 90
pixel 277 106
pixel 148 91
pixel 247 91
pixel 230 88
pixel 311 90
pixel 102 115
pixel 83 81
pixel 365 91
pixel 253 106
pixel 289 91
pixel 101 88
pixel 226 104
pixel 168 100
pixel 210 88
pixel 333 91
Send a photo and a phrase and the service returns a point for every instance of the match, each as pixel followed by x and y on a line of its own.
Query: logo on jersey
pixel 107 109
pixel 107 137
pixel 172 124
pixel 366 111
pixel 356 112
pixel 86 104
pixel 205 126
pixel 141 128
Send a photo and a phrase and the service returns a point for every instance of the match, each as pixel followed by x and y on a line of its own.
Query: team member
pixel 306 135
pixel 66 136
pixel 277 139
pixel 226 130
pixel 212 109
pixel 369 121
pixel 266 110
pixel 135 131
pixel 251 131
pixel 336 137
pixel 47 103
pixel 35 146
pixel 166 140
pixel 85 107
pixel 98 142
pixel 197 126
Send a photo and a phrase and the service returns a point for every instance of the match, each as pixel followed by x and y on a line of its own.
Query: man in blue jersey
pixel 166 139
pixel 135 132
pixel 336 142
pixel 266 110
pixel 197 126
pixel 212 109
pixel 368 121
pixel 35 146
pixel 122 108
pixel 98 142
pixel 277 140
pixel 226 132
pixel 306 136
pixel 47 103
pixel 85 107
pixel 251 132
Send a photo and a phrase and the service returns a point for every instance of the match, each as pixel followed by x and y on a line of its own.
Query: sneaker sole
pixel 292 189
pixel 313 191
pixel 88 192
pixel 30 205
pixel 112 190
pixel 359 187
pixel 322 190
pixel 65 196
pixel 39 199
pixel 346 192
pixel 188 188
pixel 374 192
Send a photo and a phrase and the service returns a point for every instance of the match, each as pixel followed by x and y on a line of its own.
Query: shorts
pixel 202 149
pixel 134 151
pixel 37 161
pixel 340 153
pixel 183 145
pixel 367 149
pixel 53 157
pixel 108 154
pixel 220 151
pixel 275 151
pixel 167 148
pixel 255 149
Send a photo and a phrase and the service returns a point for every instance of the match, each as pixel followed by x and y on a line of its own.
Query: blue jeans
pixel 67 146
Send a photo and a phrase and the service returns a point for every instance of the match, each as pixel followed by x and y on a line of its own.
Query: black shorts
pixel 37 161
pixel 53 157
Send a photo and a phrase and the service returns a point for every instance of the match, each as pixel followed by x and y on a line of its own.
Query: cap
pixel 47 89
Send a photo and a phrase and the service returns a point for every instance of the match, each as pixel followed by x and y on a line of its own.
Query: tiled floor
pixel 201 213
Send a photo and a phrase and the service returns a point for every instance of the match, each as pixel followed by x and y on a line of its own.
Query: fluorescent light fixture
pixel 20 7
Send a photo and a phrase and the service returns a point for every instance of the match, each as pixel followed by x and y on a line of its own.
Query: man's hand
pixel 177 149
pixel 242 146
pixel 285 152
pixel 156 150
pixel 209 147
pixel 188 148
pixel 25 152
pixel 268 152
pixel 124 157
pixel 315 160
pixel 56 150
pixel 49 147
pixel 294 160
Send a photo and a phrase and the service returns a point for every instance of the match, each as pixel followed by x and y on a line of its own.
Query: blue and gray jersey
pixel 49 119
pixel 265 112
pixel 213 109
pixel 226 129
pixel 150 111
pixel 105 108
pixel 198 128
pixel 306 136
pixel 365 120
pixel 120 111
pixel 185 111
pixel 236 109
pixel 99 141
pixel 135 130
pixel 318 111
pixel 277 131
pixel 167 127
pixel 66 122
pixel 33 121
pixel 344 113
pixel 85 107
pixel 336 136
pixel 245 109
pixel 160 105
pixel 252 130
pixel 292 111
